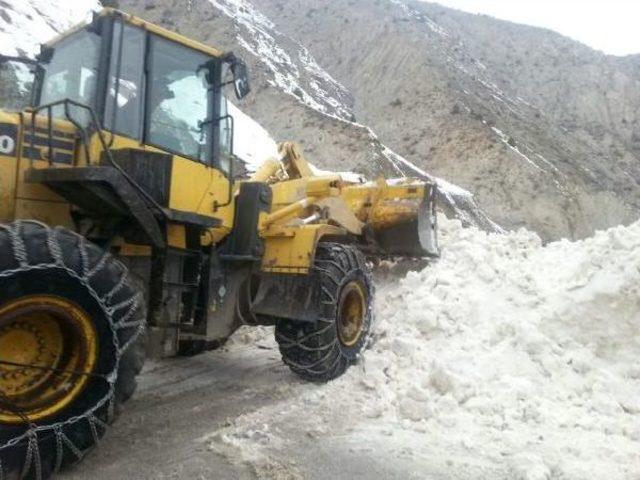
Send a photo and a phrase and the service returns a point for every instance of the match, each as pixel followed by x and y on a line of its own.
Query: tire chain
pixel 287 342
pixel 32 456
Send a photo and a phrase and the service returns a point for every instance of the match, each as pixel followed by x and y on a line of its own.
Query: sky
pixel 612 26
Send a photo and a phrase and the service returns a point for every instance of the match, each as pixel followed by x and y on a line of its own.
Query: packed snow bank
pixel 504 352
pixel 520 350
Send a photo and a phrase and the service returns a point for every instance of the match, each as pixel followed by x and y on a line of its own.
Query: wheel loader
pixel 126 230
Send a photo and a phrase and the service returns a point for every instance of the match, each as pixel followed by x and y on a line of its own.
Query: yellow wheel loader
pixel 124 232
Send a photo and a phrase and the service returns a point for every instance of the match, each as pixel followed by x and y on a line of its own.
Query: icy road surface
pixel 503 360
pixel 181 425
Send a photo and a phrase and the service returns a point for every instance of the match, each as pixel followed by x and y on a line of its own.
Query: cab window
pixel 177 108
pixel 123 106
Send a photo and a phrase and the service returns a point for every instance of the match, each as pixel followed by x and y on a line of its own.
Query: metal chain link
pixel 33 461
pixel 287 342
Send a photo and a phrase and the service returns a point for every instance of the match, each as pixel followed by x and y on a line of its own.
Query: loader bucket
pixel 407 227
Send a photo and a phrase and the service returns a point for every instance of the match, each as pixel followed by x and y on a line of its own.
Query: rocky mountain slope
pixel 539 127
pixel 316 106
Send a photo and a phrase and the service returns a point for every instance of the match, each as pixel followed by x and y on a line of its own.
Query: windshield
pixel 178 100
pixel 72 74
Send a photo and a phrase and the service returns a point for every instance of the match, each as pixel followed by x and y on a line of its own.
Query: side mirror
pixel 240 78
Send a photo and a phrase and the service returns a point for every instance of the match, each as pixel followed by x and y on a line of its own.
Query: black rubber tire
pixel 313 350
pixel 37 259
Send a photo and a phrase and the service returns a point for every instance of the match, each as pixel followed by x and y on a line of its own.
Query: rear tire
pixel 41 262
pixel 321 351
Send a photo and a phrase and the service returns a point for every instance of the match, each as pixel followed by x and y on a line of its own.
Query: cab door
pixel 165 100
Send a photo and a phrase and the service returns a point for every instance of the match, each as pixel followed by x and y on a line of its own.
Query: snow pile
pixel 24 25
pixel 504 352
pixel 520 349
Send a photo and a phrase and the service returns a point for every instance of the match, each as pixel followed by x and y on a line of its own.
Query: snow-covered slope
pixel 294 69
pixel 24 25
pixel 505 356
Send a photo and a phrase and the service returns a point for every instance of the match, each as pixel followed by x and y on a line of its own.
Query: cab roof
pixel 151 27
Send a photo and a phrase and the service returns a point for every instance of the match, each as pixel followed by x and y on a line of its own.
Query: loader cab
pixel 142 83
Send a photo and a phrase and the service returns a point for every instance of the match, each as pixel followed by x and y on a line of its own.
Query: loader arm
pixel 383 218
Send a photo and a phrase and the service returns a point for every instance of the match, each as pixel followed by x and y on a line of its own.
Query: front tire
pixel 321 351
pixel 61 294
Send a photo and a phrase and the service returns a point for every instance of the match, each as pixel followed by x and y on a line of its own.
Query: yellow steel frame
pixel 292 249
pixel 151 27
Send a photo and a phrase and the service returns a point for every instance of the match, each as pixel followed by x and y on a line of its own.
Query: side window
pixel 123 107
pixel 72 74
pixel 178 100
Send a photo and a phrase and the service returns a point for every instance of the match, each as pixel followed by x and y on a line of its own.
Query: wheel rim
pixel 57 340
pixel 351 314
